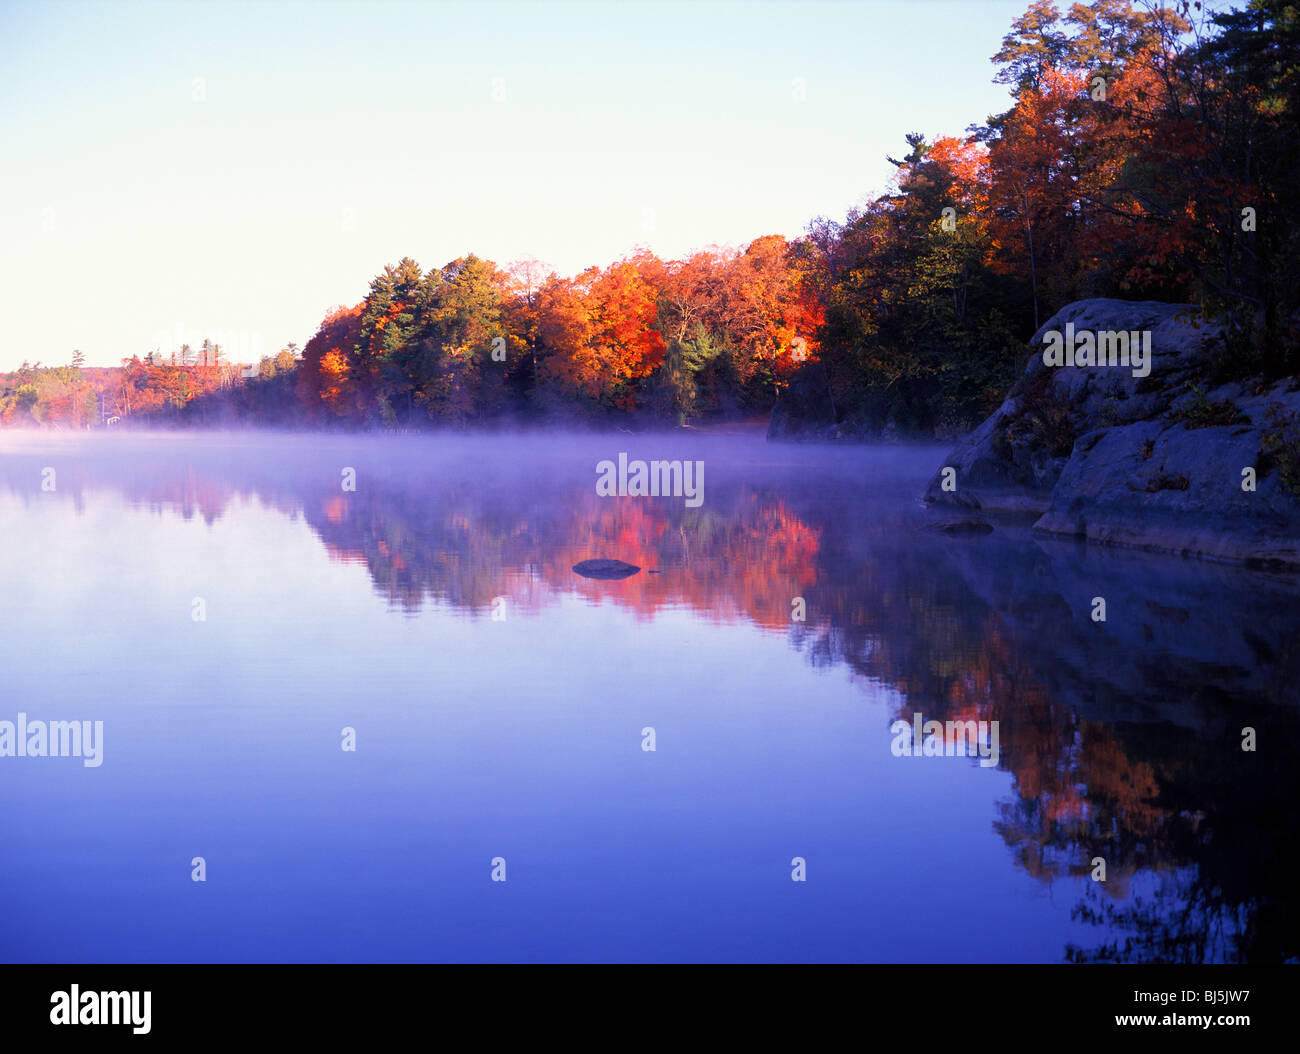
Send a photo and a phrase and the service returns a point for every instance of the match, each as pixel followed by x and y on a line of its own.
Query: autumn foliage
pixel 717 332
pixel 1148 154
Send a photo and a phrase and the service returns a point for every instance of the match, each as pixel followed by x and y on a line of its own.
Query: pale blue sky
pixel 333 138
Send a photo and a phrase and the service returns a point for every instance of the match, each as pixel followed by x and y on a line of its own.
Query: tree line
pixel 1148 154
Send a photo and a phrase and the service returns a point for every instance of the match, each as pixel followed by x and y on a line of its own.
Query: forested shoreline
pixel 1148 154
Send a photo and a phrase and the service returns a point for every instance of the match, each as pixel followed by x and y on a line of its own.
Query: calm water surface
pixel 520 736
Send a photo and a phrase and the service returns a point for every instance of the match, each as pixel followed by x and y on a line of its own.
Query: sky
pixel 234 170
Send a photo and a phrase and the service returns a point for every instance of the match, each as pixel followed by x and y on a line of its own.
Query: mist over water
pixel 500 702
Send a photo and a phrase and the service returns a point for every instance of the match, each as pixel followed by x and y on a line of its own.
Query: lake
pixel 353 683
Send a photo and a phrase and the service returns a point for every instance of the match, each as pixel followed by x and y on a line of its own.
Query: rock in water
pixel 960 525
pixel 605 569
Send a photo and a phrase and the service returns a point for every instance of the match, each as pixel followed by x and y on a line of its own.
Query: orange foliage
pixel 328 377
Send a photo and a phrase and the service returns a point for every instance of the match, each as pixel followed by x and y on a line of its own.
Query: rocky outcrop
pixel 1167 460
